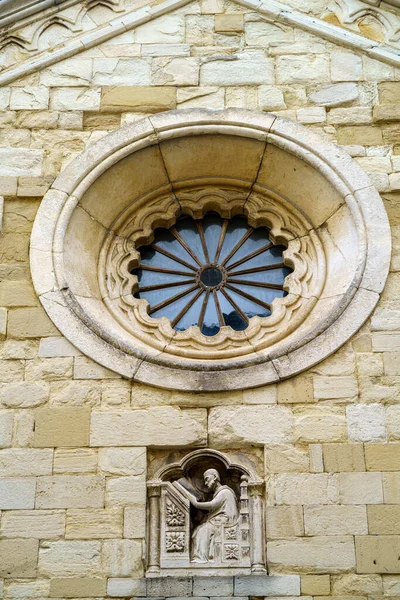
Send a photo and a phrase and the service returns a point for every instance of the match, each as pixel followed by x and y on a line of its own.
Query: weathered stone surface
pixel 315 585
pixel 352 584
pixel 384 519
pixel 30 322
pixel 296 390
pixel 122 587
pixel 285 458
pixel 122 461
pixel 335 95
pixel 360 488
pixel 17 293
pixel 391 585
pixel 293 69
pixel 229 23
pixel 77 491
pixel 79 461
pixel 122 558
pixel 18 558
pixel 56 346
pixel 125 491
pixel 29 98
pixel 258 585
pixel 76 71
pixel 234 426
pixel 75 98
pixel 393 422
pixel 16 162
pixel 345 66
pixel 305 488
pixel 248 68
pixel 85 368
pixel 378 553
pixel 161 426
pixel 42 524
pixel 167 29
pixel 335 387
pixel 94 524
pixel 284 521
pixel 138 99
pixel 69 559
pixel 382 457
pixel 25 462
pixel 343 457
pixel 25 394
pixel 335 520
pixel 366 422
pixel 212 586
pixel 365 135
pixel 77 587
pixel 319 554
pixel 6 428
pixel 17 492
pixel 176 586
pixel 391 487
pixel 135 521
pixel 320 424
pixel 66 426
pixel 36 588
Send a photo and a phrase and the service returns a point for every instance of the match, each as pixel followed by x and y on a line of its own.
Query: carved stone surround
pixel 313 196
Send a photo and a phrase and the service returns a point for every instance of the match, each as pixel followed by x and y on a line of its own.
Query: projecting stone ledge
pixel 239 586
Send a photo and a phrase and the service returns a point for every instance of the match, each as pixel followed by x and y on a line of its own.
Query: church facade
pixel 199 299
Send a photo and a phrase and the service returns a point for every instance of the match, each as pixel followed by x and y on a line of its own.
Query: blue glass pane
pixel 158 296
pixel 188 230
pixel 250 308
pixel 146 278
pixel 156 259
pixel 263 294
pixel 211 322
pixel 231 317
pixel 235 231
pixel 173 309
pixel 269 257
pixel 166 240
pixel 256 240
pixel 276 276
pixel 192 315
pixel 212 228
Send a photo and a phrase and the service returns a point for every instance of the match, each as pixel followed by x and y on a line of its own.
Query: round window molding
pixel 106 205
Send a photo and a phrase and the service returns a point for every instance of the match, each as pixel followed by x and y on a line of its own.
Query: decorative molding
pixel 354 12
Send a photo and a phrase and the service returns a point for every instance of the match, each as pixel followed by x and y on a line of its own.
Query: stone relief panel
pixel 205 516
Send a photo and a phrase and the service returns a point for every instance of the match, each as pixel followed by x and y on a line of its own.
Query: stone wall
pixel 76 439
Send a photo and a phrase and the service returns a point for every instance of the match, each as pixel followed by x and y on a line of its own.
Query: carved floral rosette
pixel 262 208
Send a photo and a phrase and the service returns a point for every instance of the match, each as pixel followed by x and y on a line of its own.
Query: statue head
pixel 211 478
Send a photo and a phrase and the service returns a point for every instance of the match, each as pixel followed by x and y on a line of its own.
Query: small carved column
pixel 154 492
pixel 257 528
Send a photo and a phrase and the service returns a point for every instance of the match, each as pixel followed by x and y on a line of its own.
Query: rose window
pixel 211 273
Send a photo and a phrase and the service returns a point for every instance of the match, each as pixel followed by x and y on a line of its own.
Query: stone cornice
pixel 12 11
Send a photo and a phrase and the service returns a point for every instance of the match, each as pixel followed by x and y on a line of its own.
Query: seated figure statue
pixel 221 509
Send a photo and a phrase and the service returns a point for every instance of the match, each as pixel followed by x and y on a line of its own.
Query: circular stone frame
pixel 271 157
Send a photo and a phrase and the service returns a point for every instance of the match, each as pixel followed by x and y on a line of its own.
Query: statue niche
pixel 205 514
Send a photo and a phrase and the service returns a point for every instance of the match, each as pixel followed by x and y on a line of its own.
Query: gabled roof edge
pixel 275 10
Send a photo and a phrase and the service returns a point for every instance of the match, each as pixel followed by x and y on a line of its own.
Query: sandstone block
pixel 94 524
pixel 360 488
pixel 167 29
pixel 378 553
pixel 315 585
pixel 175 71
pixel 370 364
pixel 25 394
pixel 29 322
pixel 17 293
pixel 385 341
pixel 326 388
pixel 11 370
pixel 213 586
pixel 320 424
pixel 248 68
pixel 270 98
pixel 25 462
pixel 138 99
pixel 364 135
pixel 285 458
pixel 393 422
pixel 335 520
pixel 56 347
pixel 389 92
pixel 296 390
pixel 357 115
pixel 334 95
pixel 80 460
pixel 262 395
pixel 85 368
pixel 42 524
pixel 122 461
pixel 66 426
pixel 18 558
pixel 227 23
pixel 48 369
pixel 176 586
pixel 23 429
pixel 124 71
pixel 17 492
pixel 78 587
pixel 34 588
pixel 345 66
pixel 317 554
pixel 162 426
pixel 311 115
pixel 122 558
pixel 76 71
pixel 384 519
pixel 284 522
pixel 366 422
pixel 316 458
pixel 75 98
pixel 125 491
pixel 386 112
pixel 3 323
pixel 122 587
pixel 391 585
pixel 234 426
pixel 352 584
pixel 293 69
pixel 343 457
pixel 69 559
pixel 17 162
pixel 391 487
pixel 135 521
pixel 382 457
pixel 63 491
pixel 319 488
pixel 256 585
pixel 29 98
pixel 6 428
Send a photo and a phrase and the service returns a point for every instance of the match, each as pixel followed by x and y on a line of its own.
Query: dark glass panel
pixel 249 307
pixel 173 309
pixel 157 296
pixel 192 315
pixel 211 322
pixel 231 317
pixel 212 228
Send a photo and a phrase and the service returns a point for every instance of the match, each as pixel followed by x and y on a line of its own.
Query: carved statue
pixel 222 509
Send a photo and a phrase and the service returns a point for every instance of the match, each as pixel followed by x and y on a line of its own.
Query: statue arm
pixel 214 503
